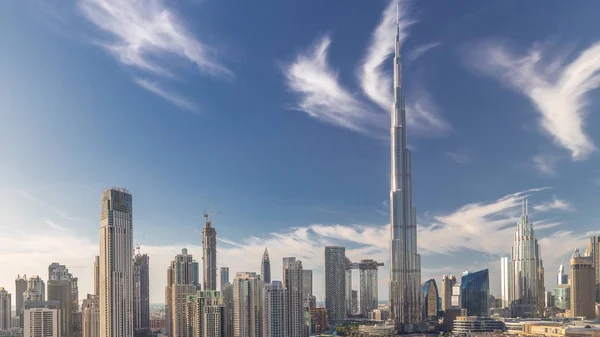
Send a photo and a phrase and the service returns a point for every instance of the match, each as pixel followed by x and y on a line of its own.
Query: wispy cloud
pixel 554 204
pixel 545 164
pixel 421 50
pixel 556 88
pixel 54 226
pixel 172 97
pixel 460 156
pixel 323 97
pixel 57 211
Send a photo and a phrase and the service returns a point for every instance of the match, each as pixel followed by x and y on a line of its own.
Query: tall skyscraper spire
pixel 209 255
pixel 265 267
pixel 405 270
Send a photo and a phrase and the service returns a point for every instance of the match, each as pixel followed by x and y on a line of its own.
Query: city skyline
pixel 55 207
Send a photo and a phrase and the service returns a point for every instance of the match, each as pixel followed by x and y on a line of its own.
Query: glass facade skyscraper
pixel 432 300
pixel 475 293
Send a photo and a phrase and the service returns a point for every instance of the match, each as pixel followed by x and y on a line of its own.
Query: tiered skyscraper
pixel 265 267
pixel 406 308
pixel 182 281
pixel 527 271
pixel 209 255
pixel 60 289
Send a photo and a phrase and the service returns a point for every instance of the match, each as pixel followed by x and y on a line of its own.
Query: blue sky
pixel 278 113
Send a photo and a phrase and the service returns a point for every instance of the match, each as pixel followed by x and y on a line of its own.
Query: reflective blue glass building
pixel 475 293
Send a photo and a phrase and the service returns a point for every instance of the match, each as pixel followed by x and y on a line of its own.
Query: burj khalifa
pixel 406 308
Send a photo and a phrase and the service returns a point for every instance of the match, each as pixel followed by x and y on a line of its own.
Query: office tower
pixel 562 278
pixel 349 302
pixel 562 296
pixel 549 300
pixel 406 308
pixel 265 267
pixel 42 320
pixel 583 282
pixel 209 255
pixel 527 270
pixel 36 289
pixel 90 317
pixel 182 281
pixel 227 293
pixel 448 281
pixel 307 282
pixel 353 302
pixel 60 290
pixel 475 293
pixel 5 309
pixel 141 295
pixel 369 292
pixel 205 313
pixel 275 310
pixel 594 250
pixel 456 301
pixel 247 315
pixel 286 263
pixel 505 281
pixel 20 289
pixel 431 306
pixel 116 256
pixel 295 298
pixel 335 283
pixel 224 273
pixel 97 275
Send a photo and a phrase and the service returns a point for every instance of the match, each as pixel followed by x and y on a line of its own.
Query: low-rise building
pixel 469 324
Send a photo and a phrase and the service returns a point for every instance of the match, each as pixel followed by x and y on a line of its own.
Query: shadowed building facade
pixel 431 299
pixel 475 293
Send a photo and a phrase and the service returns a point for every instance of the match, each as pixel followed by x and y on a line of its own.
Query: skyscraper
pixel 97 275
pixel 505 281
pixel 227 293
pixel 205 314
pixel 116 256
pixel 527 270
pixel 247 308
pixel 448 281
pixel 431 306
pixel 60 290
pixel 285 264
pixel 594 250
pixel 307 282
pixel 182 281
pixel 90 317
pixel 475 293
pixel 369 291
pixel 141 295
pixel 562 278
pixel 42 320
pixel 406 307
pixel 20 289
pixel 5 309
pixel 265 267
pixel 295 298
pixel 275 310
pixel 583 290
pixel 224 273
pixel 335 283
pixel 209 255
pixel 36 289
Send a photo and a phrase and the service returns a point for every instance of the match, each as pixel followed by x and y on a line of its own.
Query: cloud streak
pixel 174 98
pixel 557 89
pixel 554 204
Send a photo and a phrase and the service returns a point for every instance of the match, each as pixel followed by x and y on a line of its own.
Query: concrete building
pixel 224 273
pixel 318 320
pixel 141 295
pixel 295 297
pixel 228 301
pixel 36 289
pixel 205 314
pixel 209 255
pixel 5 309
pixel 549 300
pixel 476 324
pixel 97 275
pixel 448 281
pixel 505 281
pixel 60 289
pixel 265 267
pixel 594 251
pixel 335 283
pixel 20 289
pixel 116 256
pixel 307 283
pixel 41 319
pixel 456 301
pixel 583 290
pixel 182 281
pixel 90 316
pixel 247 308
pixel 275 310
pixel 369 292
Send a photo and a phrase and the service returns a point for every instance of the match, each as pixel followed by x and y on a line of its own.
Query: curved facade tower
pixel 406 308
pixel 527 271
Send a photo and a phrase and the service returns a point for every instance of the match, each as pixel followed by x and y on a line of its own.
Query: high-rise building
pixel 224 273
pixel 307 282
pixel 209 255
pixel 285 264
pixel 97 275
pixel 583 290
pixel 349 301
pixel 116 256
pixel 275 310
pixel 562 278
pixel 20 289
pixel 5 309
pixel 41 319
pixel 227 293
pixel 90 316
pixel 335 283
pixel 60 290
pixel 265 267
pixel 353 301
pixel 141 295
pixel 318 320
pixel 247 296
pixel 456 301
pixel 594 250
pixel 527 298
pixel 295 298
pixel 549 300
pixel 205 314
pixel 562 296
pixel 369 292
pixel 406 307
pixel 448 281
pixel 505 281
pixel 182 281
pixel 36 289
pixel 475 293
pixel 431 299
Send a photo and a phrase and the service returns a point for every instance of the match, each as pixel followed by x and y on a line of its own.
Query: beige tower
pixel 247 306
pixel 90 317
pixel 182 281
pixel 448 281
pixel 583 286
pixel 5 310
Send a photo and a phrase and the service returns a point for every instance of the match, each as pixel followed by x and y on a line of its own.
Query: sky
pixel 275 117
